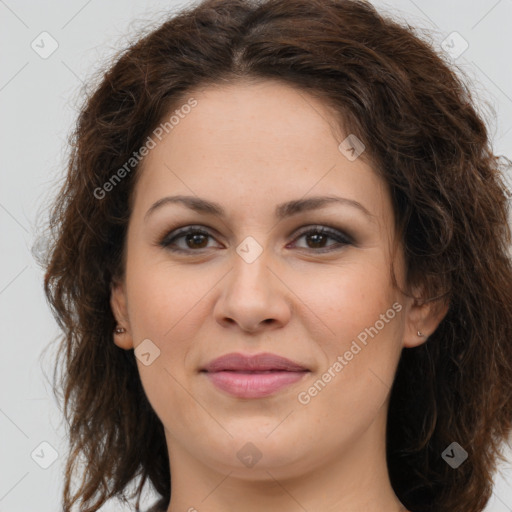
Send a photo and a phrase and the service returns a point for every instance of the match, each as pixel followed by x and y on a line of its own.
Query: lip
pixel 253 376
pixel 257 362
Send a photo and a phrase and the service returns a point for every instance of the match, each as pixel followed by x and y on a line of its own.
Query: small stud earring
pixel 120 330
pixel 420 334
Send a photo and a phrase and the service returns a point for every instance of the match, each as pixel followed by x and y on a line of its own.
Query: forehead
pixel 241 115
pixel 263 141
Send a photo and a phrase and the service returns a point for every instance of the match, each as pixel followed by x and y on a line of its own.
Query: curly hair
pixel 424 136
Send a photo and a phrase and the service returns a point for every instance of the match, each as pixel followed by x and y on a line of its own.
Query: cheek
pixel 351 298
pixel 163 307
pixel 160 297
pixel 363 314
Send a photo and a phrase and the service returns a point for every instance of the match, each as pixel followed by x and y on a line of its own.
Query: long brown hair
pixel 426 139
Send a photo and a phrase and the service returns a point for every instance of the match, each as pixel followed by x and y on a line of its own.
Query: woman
pixel 282 270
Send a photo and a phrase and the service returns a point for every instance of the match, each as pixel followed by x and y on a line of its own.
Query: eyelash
pixel 340 238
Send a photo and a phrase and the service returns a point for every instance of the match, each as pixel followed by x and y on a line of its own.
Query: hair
pixel 423 135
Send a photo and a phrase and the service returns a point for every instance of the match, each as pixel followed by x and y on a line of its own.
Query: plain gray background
pixel 38 103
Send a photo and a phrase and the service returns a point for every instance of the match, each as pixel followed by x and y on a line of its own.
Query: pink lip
pixel 253 376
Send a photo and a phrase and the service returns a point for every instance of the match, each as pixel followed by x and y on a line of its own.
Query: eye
pixel 195 238
pixel 317 236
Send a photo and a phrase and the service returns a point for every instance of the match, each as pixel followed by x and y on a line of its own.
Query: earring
pixel 420 334
pixel 120 330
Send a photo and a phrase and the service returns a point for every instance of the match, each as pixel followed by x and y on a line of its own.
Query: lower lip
pixel 253 385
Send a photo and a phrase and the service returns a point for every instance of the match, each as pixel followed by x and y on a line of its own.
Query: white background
pixel 38 103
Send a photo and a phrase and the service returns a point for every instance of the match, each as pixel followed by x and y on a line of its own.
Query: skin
pixel 250 146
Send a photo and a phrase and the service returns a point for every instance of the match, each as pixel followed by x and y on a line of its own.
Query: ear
pixel 118 304
pixel 425 317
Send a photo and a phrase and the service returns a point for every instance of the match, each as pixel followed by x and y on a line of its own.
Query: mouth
pixel 253 376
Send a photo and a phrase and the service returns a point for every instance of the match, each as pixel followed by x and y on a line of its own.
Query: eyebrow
pixel 282 211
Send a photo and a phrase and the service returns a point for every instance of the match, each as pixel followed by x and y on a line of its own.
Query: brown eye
pixel 191 239
pixel 196 240
pixel 316 238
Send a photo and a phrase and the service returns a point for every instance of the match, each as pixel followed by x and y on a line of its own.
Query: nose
pixel 254 297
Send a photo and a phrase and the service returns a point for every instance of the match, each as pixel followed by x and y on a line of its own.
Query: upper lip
pixel 258 362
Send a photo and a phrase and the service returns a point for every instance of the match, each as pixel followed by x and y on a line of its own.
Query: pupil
pixel 195 239
pixel 319 238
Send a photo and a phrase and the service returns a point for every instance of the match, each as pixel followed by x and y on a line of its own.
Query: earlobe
pixel 122 333
pixel 422 320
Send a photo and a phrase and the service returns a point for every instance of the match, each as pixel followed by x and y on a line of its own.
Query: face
pixel 311 284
